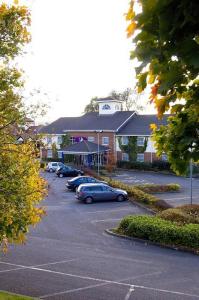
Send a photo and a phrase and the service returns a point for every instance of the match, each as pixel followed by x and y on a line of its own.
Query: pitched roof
pixel 88 122
pixel 84 147
pixel 140 125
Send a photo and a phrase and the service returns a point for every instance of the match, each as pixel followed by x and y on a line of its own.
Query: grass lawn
pixel 9 296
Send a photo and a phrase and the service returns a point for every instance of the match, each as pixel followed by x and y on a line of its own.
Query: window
pixel 49 140
pixel 164 157
pixel 125 156
pixel 105 140
pixel 140 157
pixel 106 107
pixel 125 140
pixel 140 141
pixel 59 154
pixel 72 140
pixel 91 139
pixel 59 139
pixel 49 153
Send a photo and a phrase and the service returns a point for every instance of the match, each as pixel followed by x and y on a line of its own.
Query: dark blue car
pixel 73 184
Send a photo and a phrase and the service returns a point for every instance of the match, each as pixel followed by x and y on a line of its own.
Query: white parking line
pixel 112 210
pixel 105 220
pixel 105 281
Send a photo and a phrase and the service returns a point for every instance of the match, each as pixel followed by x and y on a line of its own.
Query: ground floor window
pixel 49 153
pixel 140 157
pixel 164 157
pixel 125 156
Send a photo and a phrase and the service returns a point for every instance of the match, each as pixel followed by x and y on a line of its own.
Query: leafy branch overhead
pixel 21 187
pixel 166 45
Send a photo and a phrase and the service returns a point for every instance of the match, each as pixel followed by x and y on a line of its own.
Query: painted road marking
pixel 105 281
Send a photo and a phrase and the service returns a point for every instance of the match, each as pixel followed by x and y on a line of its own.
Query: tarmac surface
pixel 69 256
pixel 176 198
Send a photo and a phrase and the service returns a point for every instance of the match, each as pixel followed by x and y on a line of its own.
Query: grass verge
pixel 10 296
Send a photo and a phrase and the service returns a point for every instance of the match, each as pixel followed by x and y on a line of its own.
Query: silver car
pixel 91 192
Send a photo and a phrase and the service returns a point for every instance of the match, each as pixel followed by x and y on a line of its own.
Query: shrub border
pixel 147 242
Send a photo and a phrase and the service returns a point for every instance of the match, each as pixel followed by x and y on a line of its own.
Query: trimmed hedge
pixel 158 188
pixel 161 231
pixel 135 192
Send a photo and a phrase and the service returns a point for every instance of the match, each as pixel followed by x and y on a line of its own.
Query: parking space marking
pixel 95 285
pixel 112 210
pixel 73 290
pixel 105 220
pixel 105 281
pixel 56 262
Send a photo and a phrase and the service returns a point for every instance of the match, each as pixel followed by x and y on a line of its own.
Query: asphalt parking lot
pixel 69 256
pixel 175 199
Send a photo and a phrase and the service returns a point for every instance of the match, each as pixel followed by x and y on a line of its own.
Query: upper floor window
pixel 140 141
pixel 72 140
pixel 91 139
pixel 59 139
pixel 105 140
pixel 49 140
pixel 125 140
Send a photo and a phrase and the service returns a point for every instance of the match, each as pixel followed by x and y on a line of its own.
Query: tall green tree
pixel 92 106
pixel 165 36
pixel 21 187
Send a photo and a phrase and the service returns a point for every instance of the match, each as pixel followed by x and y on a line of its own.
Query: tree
pixel 65 141
pixel 166 46
pixel 21 187
pixel 129 98
pixel 92 106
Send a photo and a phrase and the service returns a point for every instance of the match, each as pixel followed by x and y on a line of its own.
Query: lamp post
pixel 191 172
pixel 98 144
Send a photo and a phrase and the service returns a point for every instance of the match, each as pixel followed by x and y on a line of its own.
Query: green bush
pixel 161 231
pixel 158 188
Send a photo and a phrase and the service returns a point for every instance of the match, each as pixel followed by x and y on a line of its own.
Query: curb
pixel 147 242
pixel 149 210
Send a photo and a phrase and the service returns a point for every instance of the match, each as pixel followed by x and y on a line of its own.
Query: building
pixel 110 127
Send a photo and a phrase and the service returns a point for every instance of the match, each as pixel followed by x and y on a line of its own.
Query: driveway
pixel 175 199
pixel 68 256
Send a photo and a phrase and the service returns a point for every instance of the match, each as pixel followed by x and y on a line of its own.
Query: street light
pixel 98 157
pixel 191 172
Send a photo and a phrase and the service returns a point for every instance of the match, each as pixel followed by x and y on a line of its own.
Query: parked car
pixel 90 192
pixel 52 166
pixel 73 183
pixel 64 171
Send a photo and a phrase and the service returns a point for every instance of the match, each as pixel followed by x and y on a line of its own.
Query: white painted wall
pixel 114 106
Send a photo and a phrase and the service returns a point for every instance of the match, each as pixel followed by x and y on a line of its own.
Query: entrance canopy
pixel 84 148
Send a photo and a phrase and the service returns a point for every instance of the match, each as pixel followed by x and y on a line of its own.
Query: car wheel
pixel 120 198
pixel 88 200
pixel 61 175
pixel 51 170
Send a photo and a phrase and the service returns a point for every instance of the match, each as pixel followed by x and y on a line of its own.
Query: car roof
pixel 92 184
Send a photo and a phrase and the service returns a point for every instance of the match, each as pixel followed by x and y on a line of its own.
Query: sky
pixel 79 50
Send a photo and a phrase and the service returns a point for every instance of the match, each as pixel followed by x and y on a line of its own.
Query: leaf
pixel 153 126
pixel 131 29
pixel 130 15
